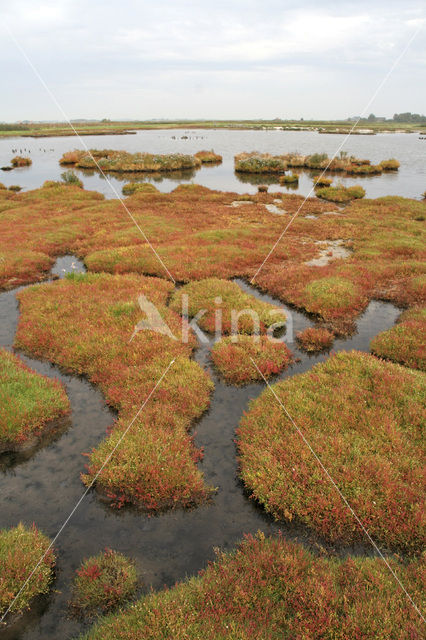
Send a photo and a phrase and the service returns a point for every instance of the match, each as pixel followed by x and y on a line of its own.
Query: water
pixel 166 547
pixel 409 181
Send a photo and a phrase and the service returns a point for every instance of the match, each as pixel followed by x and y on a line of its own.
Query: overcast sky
pixel 222 59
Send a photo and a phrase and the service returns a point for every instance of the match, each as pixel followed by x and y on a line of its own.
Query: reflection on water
pixel 409 181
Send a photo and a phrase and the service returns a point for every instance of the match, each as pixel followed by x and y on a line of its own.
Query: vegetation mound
pixel 28 402
pixel 255 162
pixel 405 342
pixel 340 193
pixel 121 161
pixel 138 187
pixel 20 161
pixel 103 582
pixel 364 418
pixel 94 324
pixel 208 157
pixel 21 549
pixel 270 589
pixel 222 306
pixel 233 357
pixel 315 339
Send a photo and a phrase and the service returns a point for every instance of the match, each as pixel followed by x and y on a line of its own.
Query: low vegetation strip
pixel 365 419
pixel 20 550
pixel 255 162
pixel 121 161
pixel 28 402
pixel 270 589
pixel 201 234
pixel 86 324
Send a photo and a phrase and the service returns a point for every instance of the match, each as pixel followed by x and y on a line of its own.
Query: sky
pixel 189 59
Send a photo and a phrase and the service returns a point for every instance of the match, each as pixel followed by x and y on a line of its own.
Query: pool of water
pixel 166 547
pixel 409 181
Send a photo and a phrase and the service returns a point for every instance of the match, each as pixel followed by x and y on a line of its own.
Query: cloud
pixel 99 54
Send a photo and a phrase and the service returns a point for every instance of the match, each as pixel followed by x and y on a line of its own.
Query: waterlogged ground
pixel 166 547
pixel 409 181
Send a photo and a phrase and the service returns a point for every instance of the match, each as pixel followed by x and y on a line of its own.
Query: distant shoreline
pixel 37 130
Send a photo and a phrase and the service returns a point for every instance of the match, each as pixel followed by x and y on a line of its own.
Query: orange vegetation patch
pixel 272 589
pixel 86 324
pixel 208 157
pixel 234 356
pixel 405 342
pixel 364 418
pixel 315 339
pixel 199 233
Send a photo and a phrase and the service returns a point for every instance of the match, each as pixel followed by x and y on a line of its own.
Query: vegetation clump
pixel 255 162
pixel 291 178
pixel 390 165
pixel 70 178
pixel 15 187
pixel 404 343
pixel 103 582
pixel 96 326
pixel 364 418
pixel 208 157
pixel 315 339
pixel 21 549
pixel 364 169
pixel 122 161
pixel 270 589
pixel 223 306
pixel 140 187
pixel 233 357
pixel 340 193
pixel 28 402
pixel 20 161
pixel 322 181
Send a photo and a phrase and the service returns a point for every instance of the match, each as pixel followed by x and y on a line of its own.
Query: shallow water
pixel 409 181
pixel 167 547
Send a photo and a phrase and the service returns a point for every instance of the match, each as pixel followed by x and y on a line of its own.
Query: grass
pixel 28 402
pixel 233 358
pixel 121 161
pixel 340 193
pixel 223 305
pixel 270 589
pixel 85 324
pixel 103 582
pixel 404 343
pixel 208 157
pixel 315 339
pixel 20 550
pixel 364 418
pixel 70 178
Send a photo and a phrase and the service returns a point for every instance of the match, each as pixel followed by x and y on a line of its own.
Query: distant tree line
pixel 398 117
